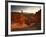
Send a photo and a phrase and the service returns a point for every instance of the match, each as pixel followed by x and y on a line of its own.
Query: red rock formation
pixel 35 21
pixel 21 21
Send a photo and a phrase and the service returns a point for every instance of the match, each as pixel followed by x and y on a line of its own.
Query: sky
pixel 26 9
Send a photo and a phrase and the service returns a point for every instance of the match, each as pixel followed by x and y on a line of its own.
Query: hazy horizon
pixel 27 9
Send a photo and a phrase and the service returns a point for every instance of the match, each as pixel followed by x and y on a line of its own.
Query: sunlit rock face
pixel 22 21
